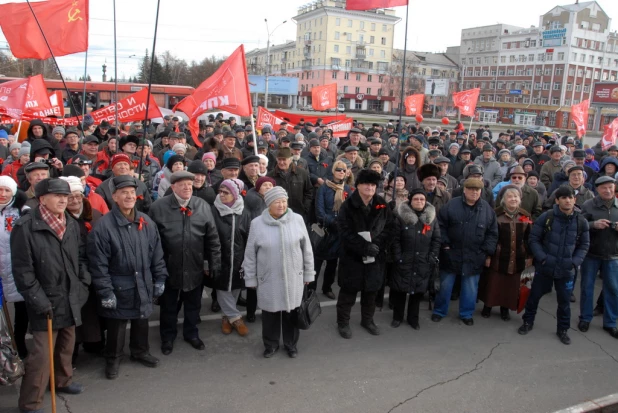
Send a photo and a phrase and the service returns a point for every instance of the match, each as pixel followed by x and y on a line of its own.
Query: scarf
pixel 338 188
pixel 58 225
pixel 236 208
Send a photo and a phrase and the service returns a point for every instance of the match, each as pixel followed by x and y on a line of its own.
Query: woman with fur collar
pixel 415 250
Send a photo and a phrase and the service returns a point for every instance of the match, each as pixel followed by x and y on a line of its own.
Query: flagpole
pixel 254 135
pixel 401 105
pixel 66 88
pixel 84 94
pixel 116 74
pixel 152 57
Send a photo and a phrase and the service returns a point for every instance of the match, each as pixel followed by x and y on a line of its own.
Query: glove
pixel 109 302
pixel 372 250
pixel 159 288
pixel 47 312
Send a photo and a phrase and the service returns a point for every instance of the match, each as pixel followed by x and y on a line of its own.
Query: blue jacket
pixel 556 247
pixel 470 233
pixel 324 203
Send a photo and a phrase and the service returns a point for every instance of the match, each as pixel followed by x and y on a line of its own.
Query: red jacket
pixel 93 182
pixel 97 202
pixel 11 169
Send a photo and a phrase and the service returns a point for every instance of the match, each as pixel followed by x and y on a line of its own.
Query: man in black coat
pixel 128 273
pixel 190 240
pixel 295 181
pixel 50 268
pixel 367 226
pixel 469 232
pixel 121 166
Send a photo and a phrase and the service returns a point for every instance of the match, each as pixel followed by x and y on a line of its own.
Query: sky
pixel 195 29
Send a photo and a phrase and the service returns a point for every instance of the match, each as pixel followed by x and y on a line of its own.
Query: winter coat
pixel 505 167
pixel 530 201
pixel 412 181
pixel 438 199
pixel 324 204
pixel 319 168
pixel 188 239
pixel 542 191
pixel 126 259
pixel 547 172
pixel 539 161
pixel 512 247
pixel 415 248
pixel 205 192
pixel 355 217
pixel 106 189
pixel 50 272
pixel 603 242
pixel 214 178
pixel 558 250
pixel 245 180
pixel 470 233
pixel 560 178
pixel 491 170
pixel 31 138
pixel 254 203
pixel 8 217
pixel 164 184
pixel 233 228
pixel 278 260
pixel 298 186
pixel 583 195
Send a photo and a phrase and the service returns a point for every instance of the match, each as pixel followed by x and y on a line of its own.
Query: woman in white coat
pixel 279 262
pixel 12 206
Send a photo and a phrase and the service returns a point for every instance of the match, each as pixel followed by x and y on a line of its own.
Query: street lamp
pixel 268 60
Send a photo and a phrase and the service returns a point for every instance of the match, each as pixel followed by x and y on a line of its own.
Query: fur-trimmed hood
pixel 408 215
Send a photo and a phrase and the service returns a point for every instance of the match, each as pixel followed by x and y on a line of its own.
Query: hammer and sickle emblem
pixel 74 13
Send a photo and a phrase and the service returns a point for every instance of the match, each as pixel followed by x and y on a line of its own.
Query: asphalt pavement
pixel 443 367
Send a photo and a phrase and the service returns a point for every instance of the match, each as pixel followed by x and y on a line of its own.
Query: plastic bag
pixel 11 366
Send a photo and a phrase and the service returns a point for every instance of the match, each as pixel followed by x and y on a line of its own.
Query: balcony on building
pixel 361 52
pixel 306 65
pixel 307 39
pixel 335 63
pixel 360 66
pixel 307 52
pixel 283 69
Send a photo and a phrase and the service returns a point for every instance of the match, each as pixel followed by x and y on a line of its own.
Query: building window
pixel 348 50
pixel 381 78
pixel 369 91
pixel 539 72
pixel 529 72
pixel 358 76
pixel 337 21
pixel 578 88
pixel 357 90
pixel 531 57
pixel 369 77
pixel 334 75
pixel 346 76
pixel 382 53
pixel 500 85
pixel 372 39
pixel 549 56
pixel 482 98
pixel 490 98
pixel 345 89
pixel 493 72
pixel 526 100
pixel 555 101
pixel 492 85
pixel 547 72
pixel 586 88
pixel 498 99
pixel 511 72
pixel 543 101
pixel 383 27
pixel 336 48
pixel 349 23
pixel 546 86
pixel 362 25
pixel 370 52
pixel 561 56
pixel 383 41
pixel 337 35
pixel 572 71
pixel 373 26
pixel 483 84
pixel 559 71
pixel 501 73
pixel 349 37
pixel 506 99
pixel 520 72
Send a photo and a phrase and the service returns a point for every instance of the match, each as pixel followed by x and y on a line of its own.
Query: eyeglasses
pixel 340 170
pixel 517 177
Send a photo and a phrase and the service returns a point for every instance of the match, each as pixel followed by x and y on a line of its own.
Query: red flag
pixel 13 97
pixel 414 104
pixel 466 101
pixel 130 109
pixel 38 103
pixel 294 118
pixel 373 4
pixel 265 117
pixel 64 22
pixel 227 89
pixel 609 137
pixel 579 113
pixel 324 97
pixel 187 105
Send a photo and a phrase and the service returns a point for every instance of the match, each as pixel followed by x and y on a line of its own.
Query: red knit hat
pixel 120 157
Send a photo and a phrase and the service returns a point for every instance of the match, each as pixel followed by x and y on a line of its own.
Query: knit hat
pixel 235 186
pixel 507 187
pixel 263 157
pixel 566 165
pixel 88 121
pixel 16 145
pixel 274 194
pixel 179 147
pixel 73 170
pixel 3 134
pixel 519 148
pixel 589 151
pixel 503 151
pixel 416 191
pixel 261 180
pixel 74 183
pixel 173 159
pixel 167 154
pixel 24 150
pixel 453 145
pixel 58 129
pixel 8 182
pixel 120 157
pixel 209 155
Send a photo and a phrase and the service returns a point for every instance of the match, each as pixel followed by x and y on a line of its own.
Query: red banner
pixel 609 137
pixel 579 113
pixel 294 118
pixel 57 102
pixel 227 89
pixel 466 101
pixel 373 4
pixel 414 104
pixel 324 97
pixel 64 22
pixel 13 97
pixel 264 117
pixel 38 103
pixel 341 128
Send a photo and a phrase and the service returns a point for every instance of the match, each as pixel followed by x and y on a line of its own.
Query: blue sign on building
pixel 515 92
pixel 276 85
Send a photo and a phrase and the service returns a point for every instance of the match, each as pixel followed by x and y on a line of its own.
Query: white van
pixel 341 107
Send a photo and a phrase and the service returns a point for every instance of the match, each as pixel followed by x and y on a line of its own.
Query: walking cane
pixel 51 363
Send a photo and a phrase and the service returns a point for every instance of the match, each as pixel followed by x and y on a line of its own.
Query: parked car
pixel 307 108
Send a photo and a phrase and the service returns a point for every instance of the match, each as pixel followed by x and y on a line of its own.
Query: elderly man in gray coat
pixel 279 262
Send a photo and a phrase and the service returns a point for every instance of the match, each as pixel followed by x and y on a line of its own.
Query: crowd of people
pixel 101 223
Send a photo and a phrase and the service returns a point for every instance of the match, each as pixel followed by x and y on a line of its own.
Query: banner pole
pixel 152 57
pixel 401 105
pixel 116 125
pixel 84 94
pixel 66 88
pixel 254 135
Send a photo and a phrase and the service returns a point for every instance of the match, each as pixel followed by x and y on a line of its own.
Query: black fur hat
pixel 428 170
pixel 366 176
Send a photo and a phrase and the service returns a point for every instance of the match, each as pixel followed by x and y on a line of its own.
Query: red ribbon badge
pixel 325 165
pixel 243 192
pixel 140 197
pixel 345 195
pixel 141 224
pixel 135 164
pixel 380 206
pixel 426 228
pixel 9 224
pixel 88 226
pixel 186 211
pixel 525 219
